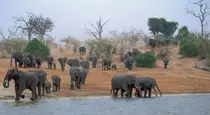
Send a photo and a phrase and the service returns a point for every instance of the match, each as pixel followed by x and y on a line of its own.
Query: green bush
pixel 147 59
pixel 189 47
pixel 37 48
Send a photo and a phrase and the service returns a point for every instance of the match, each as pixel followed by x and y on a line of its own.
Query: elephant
pixel 106 63
pixel 33 62
pixel 152 43
pixel 146 83
pixel 94 60
pixel 38 62
pixel 135 52
pixel 76 74
pixel 27 62
pixel 85 64
pixel 62 63
pixel 75 49
pixel 23 80
pixel 84 75
pixel 73 62
pixel 165 62
pixel 125 83
pixel 18 56
pixel 114 66
pixel 128 63
pixel 47 86
pixel 42 75
pixel 54 65
pixel 56 81
pixel 50 60
pixel 82 50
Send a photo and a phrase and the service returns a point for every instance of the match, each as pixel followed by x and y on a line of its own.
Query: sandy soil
pixel 180 77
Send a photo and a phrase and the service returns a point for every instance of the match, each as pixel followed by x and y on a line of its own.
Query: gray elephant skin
pixel 23 80
pixel 165 62
pixel 128 63
pixel 85 64
pixel 62 63
pixel 76 74
pixel 146 84
pixel 18 56
pixel 42 75
pixel 56 81
pixel 94 60
pixel 73 63
pixel 82 50
pixel 47 86
pixel 106 63
pixel 38 62
pixel 114 66
pixel 123 82
pixel 50 60
pixel 27 62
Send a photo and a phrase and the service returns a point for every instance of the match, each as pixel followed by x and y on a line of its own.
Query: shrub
pixel 208 60
pixel 189 47
pixel 164 51
pixel 37 48
pixel 147 59
pixel 203 48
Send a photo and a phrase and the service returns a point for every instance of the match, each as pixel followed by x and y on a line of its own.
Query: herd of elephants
pixel 78 72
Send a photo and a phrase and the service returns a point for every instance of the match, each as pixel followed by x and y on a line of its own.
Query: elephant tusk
pixel 137 87
pixel 5 81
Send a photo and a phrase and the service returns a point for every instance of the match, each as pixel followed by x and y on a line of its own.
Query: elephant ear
pixel 65 60
pixel 21 79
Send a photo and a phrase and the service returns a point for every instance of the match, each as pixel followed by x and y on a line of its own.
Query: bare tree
pixel 202 15
pixel 98 29
pixel 10 34
pixel 27 26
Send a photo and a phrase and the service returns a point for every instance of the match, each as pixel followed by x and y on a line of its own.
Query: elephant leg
pixel 116 92
pixel 20 93
pixel 16 63
pixel 71 84
pixel 43 90
pixel 150 91
pixel 53 87
pixel 56 87
pixel 33 92
pixel 122 92
pixel 16 93
pixel 145 92
pixel 39 89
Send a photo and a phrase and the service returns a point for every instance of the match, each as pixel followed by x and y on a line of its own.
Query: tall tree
pixel 183 32
pixel 202 14
pixel 98 29
pixel 156 25
pixel 169 28
pixel 43 26
pixel 26 25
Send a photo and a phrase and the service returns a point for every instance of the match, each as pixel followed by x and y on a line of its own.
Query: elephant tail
pixel 158 88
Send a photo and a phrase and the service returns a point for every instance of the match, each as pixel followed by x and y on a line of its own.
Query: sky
pixel 70 16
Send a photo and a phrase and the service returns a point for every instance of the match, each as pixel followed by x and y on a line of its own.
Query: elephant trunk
pixel 158 89
pixel 6 82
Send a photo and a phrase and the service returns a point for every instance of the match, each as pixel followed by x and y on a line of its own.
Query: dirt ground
pixel 180 77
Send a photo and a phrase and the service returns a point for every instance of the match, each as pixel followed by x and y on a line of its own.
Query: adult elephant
pixel 56 81
pixel 94 60
pixel 82 50
pixel 73 62
pixel 85 64
pixel 50 60
pixel 38 62
pixel 27 62
pixel 125 83
pixel 146 84
pixel 128 63
pixel 18 56
pixel 152 43
pixel 23 80
pixel 76 74
pixel 47 86
pixel 42 75
pixel 62 63
pixel 106 63
pixel 135 52
pixel 84 75
pixel 33 62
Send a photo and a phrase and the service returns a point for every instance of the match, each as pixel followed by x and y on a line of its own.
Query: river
pixel 198 104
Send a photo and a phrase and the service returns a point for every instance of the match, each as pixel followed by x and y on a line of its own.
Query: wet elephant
pixel 125 83
pixel 56 81
pixel 62 63
pixel 146 84
pixel 76 74
pixel 106 63
pixel 42 75
pixel 23 80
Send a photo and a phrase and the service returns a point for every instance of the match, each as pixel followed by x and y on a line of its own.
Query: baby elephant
pixel 56 80
pixel 114 66
pixel 47 87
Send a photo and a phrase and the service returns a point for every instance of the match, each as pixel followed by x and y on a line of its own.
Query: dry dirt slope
pixel 180 77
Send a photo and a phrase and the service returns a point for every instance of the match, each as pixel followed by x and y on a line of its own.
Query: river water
pixel 167 105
